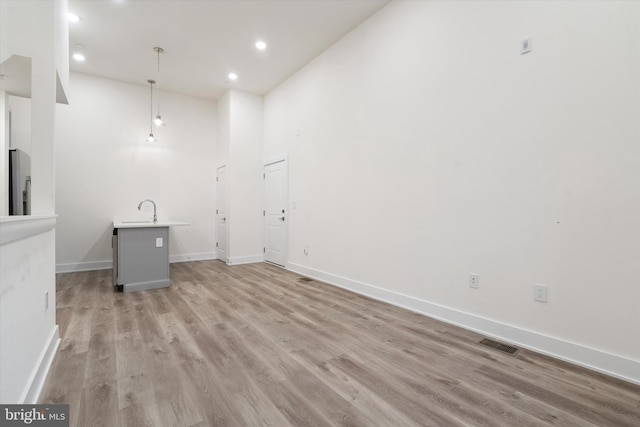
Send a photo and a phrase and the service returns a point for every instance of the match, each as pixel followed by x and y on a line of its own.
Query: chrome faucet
pixel 155 212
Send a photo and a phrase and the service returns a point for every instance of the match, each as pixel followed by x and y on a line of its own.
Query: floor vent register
pixel 509 349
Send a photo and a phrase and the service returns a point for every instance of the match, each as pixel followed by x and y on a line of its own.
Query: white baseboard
pixel 193 257
pixel 104 265
pixel 237 260
pixel 610 364
pixel 40 371
pixel 83 266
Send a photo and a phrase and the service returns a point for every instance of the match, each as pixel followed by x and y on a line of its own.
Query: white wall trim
pixel 193 257
pixel 222 254
pixel 245 259
pixel 14 228
pixel 83 266
pixel 597 360
pixel 105 265
pixel 36 381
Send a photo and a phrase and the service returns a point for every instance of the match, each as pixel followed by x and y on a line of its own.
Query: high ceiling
pixel 205 40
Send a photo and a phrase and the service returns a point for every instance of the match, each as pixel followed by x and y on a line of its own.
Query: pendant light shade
pixel 151 138
pixel 157 119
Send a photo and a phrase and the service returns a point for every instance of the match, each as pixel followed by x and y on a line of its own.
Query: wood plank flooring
pixel 255 345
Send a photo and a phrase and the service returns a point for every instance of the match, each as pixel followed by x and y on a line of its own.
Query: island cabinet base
pixel 140 258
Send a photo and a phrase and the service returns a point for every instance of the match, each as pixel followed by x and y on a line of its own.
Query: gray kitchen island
pixel 141 254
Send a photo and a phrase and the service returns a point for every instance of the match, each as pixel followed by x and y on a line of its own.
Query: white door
pixel 275 212
pixel 221 214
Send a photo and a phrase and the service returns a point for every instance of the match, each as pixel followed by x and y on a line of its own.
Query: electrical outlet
pixel 158 242
pixel 540 293
pixel 306 250
pixel 474 281
pixel 46 300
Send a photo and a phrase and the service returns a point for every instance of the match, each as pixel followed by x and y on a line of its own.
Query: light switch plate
pixel 526 45
pixel 158 242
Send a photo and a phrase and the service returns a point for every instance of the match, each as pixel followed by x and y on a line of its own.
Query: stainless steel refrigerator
pixel 19 182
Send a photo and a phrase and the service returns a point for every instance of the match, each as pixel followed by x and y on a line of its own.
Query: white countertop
pixel 136 223
pixel 17 227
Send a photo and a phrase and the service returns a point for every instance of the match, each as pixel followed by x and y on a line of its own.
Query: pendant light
pixel 158 120
pixel 151 138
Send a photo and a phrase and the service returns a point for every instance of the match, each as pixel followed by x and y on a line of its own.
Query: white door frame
pixel 283 158
pixel 226 210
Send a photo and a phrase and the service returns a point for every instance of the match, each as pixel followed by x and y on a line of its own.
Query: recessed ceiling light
pixel 78 57
pixel 72 17
pixel 260 45
pixel 233 76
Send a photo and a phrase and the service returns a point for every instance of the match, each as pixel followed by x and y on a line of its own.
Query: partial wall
pixel 105 167
pixel 423 146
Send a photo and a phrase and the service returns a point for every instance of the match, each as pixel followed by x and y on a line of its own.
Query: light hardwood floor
pixel 256 345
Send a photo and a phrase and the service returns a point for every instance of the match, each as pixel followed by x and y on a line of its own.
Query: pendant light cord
pixel 158 79
pixel 158 50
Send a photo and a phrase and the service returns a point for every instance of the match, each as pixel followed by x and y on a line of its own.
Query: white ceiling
pixel 204 40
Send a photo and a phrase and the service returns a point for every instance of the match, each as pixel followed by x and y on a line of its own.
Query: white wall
pixel 240 148
pixel 224 128
pixel 423 147
pixel 28 333
pixel 245 178
pixel 39 30
pixel 14 133
pixel 105 167
pixel 222 203
pixel 4 158
pixel 20 132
